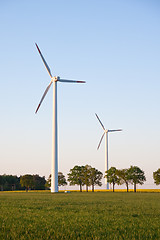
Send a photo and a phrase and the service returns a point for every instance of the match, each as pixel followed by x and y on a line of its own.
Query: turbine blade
pixel 70 81
pixel 46 65
pixel 43 96
pixel 100 121
pixel 117 130
pixel 100 141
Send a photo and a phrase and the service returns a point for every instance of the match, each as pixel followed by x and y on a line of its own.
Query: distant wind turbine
pixel 106 131
pixel 54 80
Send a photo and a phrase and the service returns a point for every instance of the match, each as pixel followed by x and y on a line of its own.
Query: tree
pixel 95 178
pixel 156 177
pixel 61 179
pixel 136 176
pixel 111 176
pixel 38 182
pixel 86 175
pixel 123 177
pixel 75 176
pixel 27 181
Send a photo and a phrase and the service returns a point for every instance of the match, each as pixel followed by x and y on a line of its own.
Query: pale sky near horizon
pixel 114 46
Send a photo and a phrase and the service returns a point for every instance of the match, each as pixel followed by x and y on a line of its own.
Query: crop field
pixel 99 215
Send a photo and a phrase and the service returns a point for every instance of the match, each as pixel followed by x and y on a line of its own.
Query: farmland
pixel 99 215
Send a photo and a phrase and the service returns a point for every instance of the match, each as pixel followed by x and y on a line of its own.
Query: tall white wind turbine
pixel 106 131
pixel 54 80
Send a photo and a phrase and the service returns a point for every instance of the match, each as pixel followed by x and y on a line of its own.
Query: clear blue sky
pixel 114 46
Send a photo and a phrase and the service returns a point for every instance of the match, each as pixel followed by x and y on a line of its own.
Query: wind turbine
pixel 106 131
pixel 54 80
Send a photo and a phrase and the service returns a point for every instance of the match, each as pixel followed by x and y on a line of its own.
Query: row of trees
pixel 86 175
pixel 81 176
pixel 133 175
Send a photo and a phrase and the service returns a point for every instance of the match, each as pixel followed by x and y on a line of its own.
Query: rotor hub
pixel 56 78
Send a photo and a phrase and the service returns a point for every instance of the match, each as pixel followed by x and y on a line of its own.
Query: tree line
pixel 79 175
pixel 28 182
pixel 133 175
pixel 25 182
pixel 86 175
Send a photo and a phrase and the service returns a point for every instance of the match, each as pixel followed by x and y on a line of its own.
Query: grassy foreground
pixel 98 215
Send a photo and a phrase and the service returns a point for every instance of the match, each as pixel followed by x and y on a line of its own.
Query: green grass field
pixel 98 215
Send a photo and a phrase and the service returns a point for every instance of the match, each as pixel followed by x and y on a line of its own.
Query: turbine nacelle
pixel 55 78
pixel 112 130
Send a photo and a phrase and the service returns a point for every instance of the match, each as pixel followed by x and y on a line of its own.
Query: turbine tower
pixel 54 80
pixel 106 131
